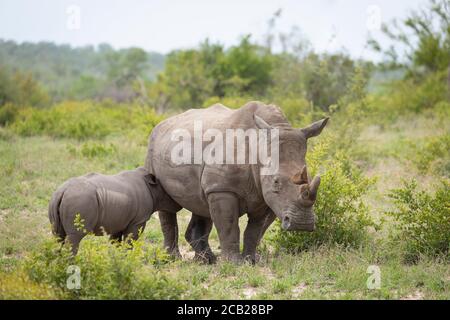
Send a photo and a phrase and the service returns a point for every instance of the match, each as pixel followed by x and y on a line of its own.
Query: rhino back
pixel 120 200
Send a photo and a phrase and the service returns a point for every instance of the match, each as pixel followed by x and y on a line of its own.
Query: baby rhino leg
pixel 133 231
pixel 78 214
pixel 116 237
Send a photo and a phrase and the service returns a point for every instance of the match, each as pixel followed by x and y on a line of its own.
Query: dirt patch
pixel 298 290
pixel 267 273
pixel 417 295
pixel 249 292
pixel 186 253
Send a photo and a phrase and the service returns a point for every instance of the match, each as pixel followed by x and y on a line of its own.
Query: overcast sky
pixel 166 25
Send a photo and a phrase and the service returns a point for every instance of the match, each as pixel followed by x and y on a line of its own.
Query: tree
pixel 192 76
pixel 126 66
pixel 424 37
pixel 247 69
pixel 21 89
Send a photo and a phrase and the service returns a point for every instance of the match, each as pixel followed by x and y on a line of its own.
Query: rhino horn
pixel 300 177
pixel 314 186
pixel 315 128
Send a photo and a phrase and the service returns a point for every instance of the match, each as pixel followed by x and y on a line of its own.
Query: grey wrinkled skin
pixel 119 205
pixel 220 194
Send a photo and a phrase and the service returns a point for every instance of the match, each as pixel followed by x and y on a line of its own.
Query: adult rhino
pixel 221 193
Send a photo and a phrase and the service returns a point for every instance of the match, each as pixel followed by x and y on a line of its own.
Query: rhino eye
pixel 305 194
pixel 276 185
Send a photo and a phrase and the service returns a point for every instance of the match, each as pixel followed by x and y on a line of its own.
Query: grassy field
pixel 32 167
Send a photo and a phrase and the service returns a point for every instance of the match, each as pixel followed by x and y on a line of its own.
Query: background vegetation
pixel 384 160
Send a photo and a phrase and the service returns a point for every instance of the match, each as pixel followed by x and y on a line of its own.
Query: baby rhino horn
pixel 300 177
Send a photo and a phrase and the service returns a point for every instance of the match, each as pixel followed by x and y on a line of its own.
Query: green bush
pixel 93 149
pixel 68 119
pixel 108 270
pixel 83 120
pixel 403 96
pixel 342 215
pixel 18 286
pixel 434 156
pixel 8 113
pixel 423 220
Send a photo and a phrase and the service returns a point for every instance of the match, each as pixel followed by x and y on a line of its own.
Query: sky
pixel 162 26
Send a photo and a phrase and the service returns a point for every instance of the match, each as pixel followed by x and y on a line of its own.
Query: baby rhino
pixel 119 205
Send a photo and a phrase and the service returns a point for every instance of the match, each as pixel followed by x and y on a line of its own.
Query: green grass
pixel 32 167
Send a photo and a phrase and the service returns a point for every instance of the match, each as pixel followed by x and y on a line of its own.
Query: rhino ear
pixel 315 128
pixel 151 179
pixel 261 124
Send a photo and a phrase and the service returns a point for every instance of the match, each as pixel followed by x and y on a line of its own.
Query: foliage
pixel 8 113
pixel 422 219
pixel 342 215
pixel 80 72
pixel 72 120
pixel 424 36
pixel 83 120
pixel 93 149
pixel 433 156
pixel 407 96
pixel 16 286
pixel 108 270
pixel 20 89
pixel 192 76
pixel 123 68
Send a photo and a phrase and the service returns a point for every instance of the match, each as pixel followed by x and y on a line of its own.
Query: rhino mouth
pixel 299 221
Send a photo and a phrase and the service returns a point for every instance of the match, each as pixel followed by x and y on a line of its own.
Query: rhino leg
pixel 197 235
pixel 116 237
pixel 73 239
pixel 270 218
pixel 256 227
pixel 169 227
pixel 224 209
pixel 133 231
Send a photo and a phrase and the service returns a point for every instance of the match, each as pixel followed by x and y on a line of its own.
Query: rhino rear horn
pixel 300 177
pixel 315 128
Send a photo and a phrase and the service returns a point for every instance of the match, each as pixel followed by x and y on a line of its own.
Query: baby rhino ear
pixel 151 179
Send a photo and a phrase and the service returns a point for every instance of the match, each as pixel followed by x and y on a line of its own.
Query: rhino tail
pixel 54 216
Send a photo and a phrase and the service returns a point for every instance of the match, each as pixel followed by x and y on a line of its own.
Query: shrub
pixel 434 156
pixel 423 220
pixel 299 111
pixel 70 120
pixel 97 150
pixel 8 113
pixel 404 96
pixel 17 286
pixel 342 216
pixel 108 270
pixel 83 120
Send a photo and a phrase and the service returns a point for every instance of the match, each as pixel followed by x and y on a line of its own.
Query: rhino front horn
pixel 314 186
